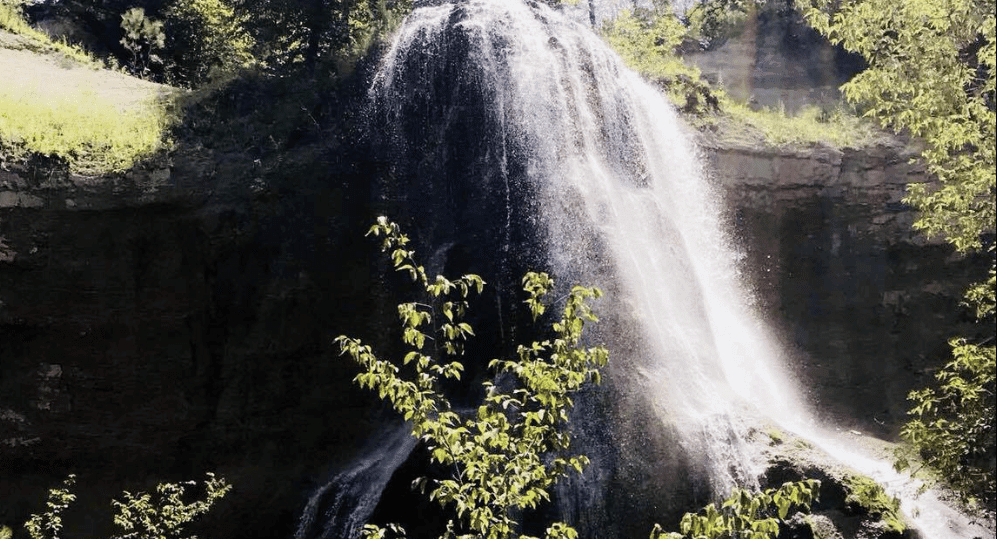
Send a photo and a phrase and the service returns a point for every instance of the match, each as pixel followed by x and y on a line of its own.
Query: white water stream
pixel 622 193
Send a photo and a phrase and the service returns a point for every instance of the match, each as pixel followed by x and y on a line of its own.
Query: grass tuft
pixel 71 118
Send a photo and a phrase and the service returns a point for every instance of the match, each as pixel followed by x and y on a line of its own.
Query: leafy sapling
pixel 505 455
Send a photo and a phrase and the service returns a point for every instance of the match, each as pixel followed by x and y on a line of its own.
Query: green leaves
pixel 505 455
pixel 164 517
pixel 952 424
pixel 49 524
pixel 140 516
pixel 746 514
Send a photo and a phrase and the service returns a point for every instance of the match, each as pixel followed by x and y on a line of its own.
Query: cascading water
pixel 341 506
pixel 537 146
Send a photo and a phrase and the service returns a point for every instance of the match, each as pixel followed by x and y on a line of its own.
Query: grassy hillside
pixel 58 102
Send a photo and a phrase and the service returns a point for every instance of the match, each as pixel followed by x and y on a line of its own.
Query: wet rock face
pixel 864 303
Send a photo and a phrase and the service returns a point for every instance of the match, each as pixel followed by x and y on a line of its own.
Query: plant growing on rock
pixel 506 455
pixel 868 496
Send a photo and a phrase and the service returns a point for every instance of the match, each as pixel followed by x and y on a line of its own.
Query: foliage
pixel 506 455
pixel 870 497
pixel 647 40
pixel 140 516
pixel 6 532
pixel 49 524
pixel 207 41
pixel 712 22
pixel 144 38
pixel 309 32
pixel 952 424
pixel 88 133
pixel 745 514
pixel 931 74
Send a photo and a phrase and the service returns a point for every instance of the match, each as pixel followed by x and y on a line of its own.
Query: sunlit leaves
pixel 952 423
pixel 931 74
pixel 48 524
pixel 163 515
pixel 752 515
pixel 509 451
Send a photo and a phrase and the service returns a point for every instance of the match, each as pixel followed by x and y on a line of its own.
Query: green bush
pixel 951 426
pixel 868 496
pixel 647 41
pixel 746 514
pixel 140 516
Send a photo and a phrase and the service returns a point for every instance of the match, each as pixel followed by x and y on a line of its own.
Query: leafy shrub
pixel 506 455
pixel 868 496
pixel 746 514
pixel 952 424
pixel 141 515
pixel 647 41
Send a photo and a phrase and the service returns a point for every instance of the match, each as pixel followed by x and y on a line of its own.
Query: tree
pixel 309 32
pixel 144 39
pixel 506 454
pixel 207 40
pixel 931 75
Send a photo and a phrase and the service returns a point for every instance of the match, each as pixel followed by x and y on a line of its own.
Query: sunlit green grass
pixel 810 125
pixel 67 117
pixel 91 135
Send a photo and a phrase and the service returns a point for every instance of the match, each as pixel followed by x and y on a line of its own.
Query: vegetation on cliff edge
pixel 650 41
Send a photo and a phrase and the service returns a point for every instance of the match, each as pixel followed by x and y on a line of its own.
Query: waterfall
pixel 340 507
pixel 527 144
